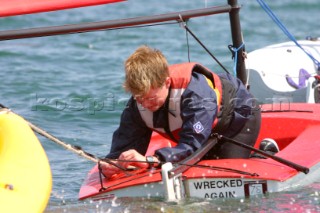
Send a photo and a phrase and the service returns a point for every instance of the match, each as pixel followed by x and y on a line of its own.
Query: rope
pixel 286 32
pixel 235 56
pixel 73 148
pixel 78 150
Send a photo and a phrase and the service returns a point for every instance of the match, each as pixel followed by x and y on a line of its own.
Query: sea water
pixel 71 86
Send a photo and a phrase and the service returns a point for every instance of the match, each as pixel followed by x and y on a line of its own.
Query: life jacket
pixel 180 75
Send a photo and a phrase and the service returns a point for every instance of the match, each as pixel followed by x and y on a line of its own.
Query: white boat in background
pixel 273 72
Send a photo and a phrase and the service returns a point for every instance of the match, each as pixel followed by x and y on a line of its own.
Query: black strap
pixel 202 70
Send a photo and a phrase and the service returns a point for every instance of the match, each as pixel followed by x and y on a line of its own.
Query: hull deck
pixel 294 127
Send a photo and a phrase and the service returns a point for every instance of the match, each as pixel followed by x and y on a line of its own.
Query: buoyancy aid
pixel 180 75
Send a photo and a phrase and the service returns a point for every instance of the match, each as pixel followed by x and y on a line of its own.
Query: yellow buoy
pixel 25 175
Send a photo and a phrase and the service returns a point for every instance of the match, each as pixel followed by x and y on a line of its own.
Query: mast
pixel 237 40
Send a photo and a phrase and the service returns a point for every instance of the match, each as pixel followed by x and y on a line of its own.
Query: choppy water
pixel 70 85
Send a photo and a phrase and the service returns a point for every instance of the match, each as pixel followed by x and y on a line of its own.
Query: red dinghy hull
pixel 295 127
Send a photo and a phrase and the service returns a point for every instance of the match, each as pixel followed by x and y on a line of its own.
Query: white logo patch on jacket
pixel 198 127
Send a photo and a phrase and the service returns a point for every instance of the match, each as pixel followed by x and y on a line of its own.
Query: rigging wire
pixel 216 168
pixel 188 46
pixel 268 10
pixel 184 25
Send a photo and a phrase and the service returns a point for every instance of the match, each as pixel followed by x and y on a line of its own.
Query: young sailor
pixel 185 103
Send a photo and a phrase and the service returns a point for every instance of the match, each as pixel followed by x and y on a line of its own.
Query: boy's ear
pixel 168 82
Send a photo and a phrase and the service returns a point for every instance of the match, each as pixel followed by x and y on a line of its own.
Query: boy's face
pixel 156 97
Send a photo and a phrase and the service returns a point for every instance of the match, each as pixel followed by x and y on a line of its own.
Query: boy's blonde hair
pixel 146 69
